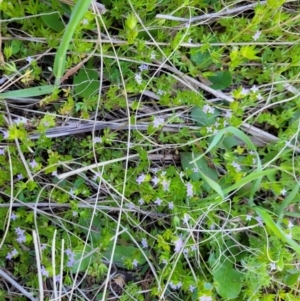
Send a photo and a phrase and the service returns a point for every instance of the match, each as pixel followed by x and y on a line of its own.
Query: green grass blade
pixel 276 229
pixel 215 186
pixel 287 201
pixel 29 92
pixel 78 12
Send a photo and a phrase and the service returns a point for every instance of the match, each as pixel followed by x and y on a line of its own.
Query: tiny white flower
pixel 187 25
pixel 33 164
pixel 54 173
pixel 209 129
pixel 29 59
pixel 20 120
pixel 215 131
pixel 272 266
pixel 225 123
pixel 97 140
pixel 195 169
pixel 289 235
pixel 154 170
pixel 216 124
pixel 171 205
pixel 181 174
pixel 248 217
pixel 155 180
pixel 185 251
pixel 43 247
pixel 85 22
pixel 144 243
pixel 74 213
pixel 179 285
pixel 178 245
pixel 153 55
pixel 157 122
pixel 251 152
pixel 20 177
pixel 290 225
pixel 259 220
pixel 135 263
pixel 164 261
pixel 283 192
pixel 141 202
pixel 138 78
pixel 166 185
pixel 189 189
pixel 2 151
pixel 245 91
pixel 158 201
pixel 192 288
pixel 254 89
pixel 259 97
pixel 14 252
pixel 140 179
pixel 208 109
pixel 161 92
pixel 143 67
pixel 5 134
pixel 194 248
pixel 13 216
pixel 130 206
pixel 257 35
pixel 228 114
pixel 186 218
pixel 236 166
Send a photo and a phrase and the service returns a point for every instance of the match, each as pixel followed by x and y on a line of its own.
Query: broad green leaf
pixel 86 83
pixel 228 280
pixel 96 227
pixel 123 252
pixel 291 279
pixel 203 119
pixel 53 21
pixel 87 258
pixel 221 80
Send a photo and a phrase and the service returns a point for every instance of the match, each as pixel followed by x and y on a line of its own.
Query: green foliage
pixel 182 141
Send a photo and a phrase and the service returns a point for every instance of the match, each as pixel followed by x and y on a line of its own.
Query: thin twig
pixel 17 285
pixel 212 16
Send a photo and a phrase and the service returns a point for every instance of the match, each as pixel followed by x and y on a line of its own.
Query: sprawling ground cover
pixel 149 150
